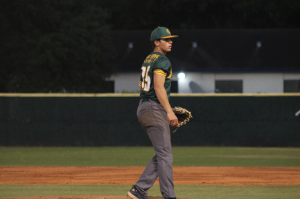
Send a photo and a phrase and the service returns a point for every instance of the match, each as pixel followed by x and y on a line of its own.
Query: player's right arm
pixel 160 91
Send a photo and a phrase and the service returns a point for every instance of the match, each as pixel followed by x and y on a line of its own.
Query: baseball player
pixel 155 115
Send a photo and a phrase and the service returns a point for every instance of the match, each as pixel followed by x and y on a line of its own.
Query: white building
pixel 221 61
pixel 197 82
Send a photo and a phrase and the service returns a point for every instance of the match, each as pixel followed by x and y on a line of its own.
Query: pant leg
pixel 149 176
pixel 154 119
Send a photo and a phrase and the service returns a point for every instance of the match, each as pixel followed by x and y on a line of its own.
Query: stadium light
pixel 130 45
pixel 194 44
pixel 258 44
pixel 181 75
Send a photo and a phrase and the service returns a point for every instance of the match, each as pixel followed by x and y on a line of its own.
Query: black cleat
pixel 135 194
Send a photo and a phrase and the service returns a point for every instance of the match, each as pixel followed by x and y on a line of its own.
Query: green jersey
pixel 155 63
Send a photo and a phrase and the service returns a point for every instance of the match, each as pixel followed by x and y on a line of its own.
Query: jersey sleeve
pixel 162 67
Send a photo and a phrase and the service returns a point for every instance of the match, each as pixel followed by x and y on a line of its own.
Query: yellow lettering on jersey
pixel 147 58
pixel 151 58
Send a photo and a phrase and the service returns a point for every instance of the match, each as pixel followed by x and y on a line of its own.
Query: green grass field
pixel 140 156
pixel 131 156
pixel 183 191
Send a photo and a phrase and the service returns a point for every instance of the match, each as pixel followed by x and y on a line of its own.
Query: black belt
pixel 145 99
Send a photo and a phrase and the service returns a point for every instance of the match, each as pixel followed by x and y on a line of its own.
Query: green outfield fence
pixel 110 120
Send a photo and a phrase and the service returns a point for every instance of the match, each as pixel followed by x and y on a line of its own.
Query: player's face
pixel 166 45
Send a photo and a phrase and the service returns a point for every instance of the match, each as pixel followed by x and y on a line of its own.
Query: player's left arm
pixel 161 93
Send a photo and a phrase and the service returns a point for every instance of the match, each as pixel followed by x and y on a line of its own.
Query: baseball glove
pixel 183 116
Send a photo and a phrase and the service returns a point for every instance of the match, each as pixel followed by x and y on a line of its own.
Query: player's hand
pixel 173 120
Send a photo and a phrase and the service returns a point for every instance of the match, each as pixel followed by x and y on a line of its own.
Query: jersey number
pixel 146 79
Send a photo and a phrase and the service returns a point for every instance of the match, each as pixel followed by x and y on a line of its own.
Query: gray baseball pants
pixel 153 118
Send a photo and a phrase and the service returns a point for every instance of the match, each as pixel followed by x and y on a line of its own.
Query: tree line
pixel 64 46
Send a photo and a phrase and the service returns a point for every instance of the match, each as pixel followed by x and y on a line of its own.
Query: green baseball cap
pixel 161 33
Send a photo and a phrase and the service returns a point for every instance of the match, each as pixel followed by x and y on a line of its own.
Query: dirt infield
pixel 129 175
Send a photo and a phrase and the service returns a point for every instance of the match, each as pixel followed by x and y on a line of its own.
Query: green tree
pixel 54 46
